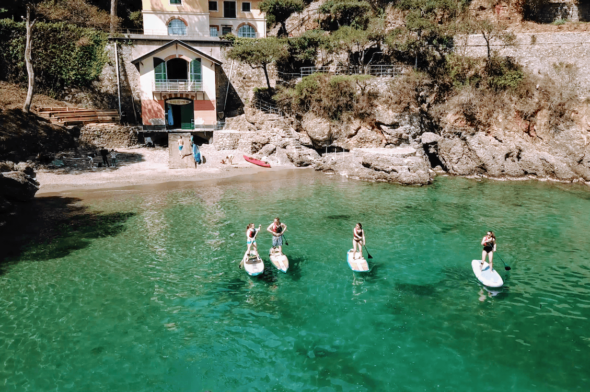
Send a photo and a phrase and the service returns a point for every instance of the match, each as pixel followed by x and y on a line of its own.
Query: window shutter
pixel 160 69
pixel 196 71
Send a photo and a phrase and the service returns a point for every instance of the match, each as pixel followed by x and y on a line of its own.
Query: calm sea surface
pixel 142 292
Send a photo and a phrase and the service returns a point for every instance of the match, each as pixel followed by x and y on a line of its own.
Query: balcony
pixel 177 85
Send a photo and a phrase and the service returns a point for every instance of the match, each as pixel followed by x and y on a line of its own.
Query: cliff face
pixel 510 149
pixel 409 148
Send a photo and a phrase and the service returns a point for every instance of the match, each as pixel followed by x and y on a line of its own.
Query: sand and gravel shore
pixel 146 166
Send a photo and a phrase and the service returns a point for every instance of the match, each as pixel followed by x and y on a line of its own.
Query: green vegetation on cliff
pixel 64 55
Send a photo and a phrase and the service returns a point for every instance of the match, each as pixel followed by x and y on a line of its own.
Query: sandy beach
pixel 147 166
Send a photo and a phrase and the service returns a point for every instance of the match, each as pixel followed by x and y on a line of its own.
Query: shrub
pixel 329 96
pixel 63 54
pixel 77 12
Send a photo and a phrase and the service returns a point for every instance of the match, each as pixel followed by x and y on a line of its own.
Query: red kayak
pixel 256 161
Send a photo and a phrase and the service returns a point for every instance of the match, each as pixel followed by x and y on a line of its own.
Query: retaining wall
pixel 539 52
pixel 109 135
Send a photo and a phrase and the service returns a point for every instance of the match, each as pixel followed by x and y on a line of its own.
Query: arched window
pixel 247 31
pixel 176 27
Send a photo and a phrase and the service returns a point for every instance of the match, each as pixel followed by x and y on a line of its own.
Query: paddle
pixel 368 254
pixel 286 242
pixel 506 267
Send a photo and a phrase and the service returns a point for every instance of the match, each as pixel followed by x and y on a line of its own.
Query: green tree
pixel 492 32
pixel 427 24
pixel 277 11
pixel 347 12
pixel 360 45
pixel 259 53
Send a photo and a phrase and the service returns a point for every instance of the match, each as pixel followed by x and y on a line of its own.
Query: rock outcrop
pixel 510 152
pixel 396 165
pixel 17 184
pixel 407 148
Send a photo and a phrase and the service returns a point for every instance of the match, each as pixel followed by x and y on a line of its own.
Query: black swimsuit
pixel 358 236
pixel 488 247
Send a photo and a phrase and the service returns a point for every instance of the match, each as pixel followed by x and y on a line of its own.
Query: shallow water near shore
pixel 146 294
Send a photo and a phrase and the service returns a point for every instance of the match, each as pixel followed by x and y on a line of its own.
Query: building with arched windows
pixel 202 18
pixel 178 57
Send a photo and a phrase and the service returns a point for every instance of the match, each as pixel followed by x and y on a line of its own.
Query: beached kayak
pixel 358 265
pixel 278 260
pixel 256 161
pixel 486 276
pixel 253 265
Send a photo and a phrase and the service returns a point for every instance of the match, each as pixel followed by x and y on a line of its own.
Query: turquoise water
pixel 146 295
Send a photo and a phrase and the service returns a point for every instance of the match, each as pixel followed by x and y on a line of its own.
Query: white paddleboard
pixel 253 265
pixel 278 260
pixel 486 276
pixel 358 265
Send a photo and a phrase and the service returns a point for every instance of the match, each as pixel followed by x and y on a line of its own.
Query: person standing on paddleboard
pixel 277 229
pixel 358 238
pixel 251 234
pixel 489 247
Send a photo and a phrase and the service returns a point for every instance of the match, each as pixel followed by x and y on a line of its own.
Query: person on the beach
pixel 358 238
pixel 104 153
pixel 113 157
pixel 180 146
pixel 277 229
pixel 489 247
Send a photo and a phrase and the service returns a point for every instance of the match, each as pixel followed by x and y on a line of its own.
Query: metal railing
pixel 175 33
pixel 385 70
pixel 267 107
pixel 177 85
pixel 375 70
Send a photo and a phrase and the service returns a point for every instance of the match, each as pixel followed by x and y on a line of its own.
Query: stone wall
pixel 548 11
pixel 109 135
pixel 540 51
pixel 226 139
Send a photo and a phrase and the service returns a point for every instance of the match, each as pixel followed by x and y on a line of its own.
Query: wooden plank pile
pixel 78 116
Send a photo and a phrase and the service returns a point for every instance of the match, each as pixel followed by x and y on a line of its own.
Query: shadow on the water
pixel 53 227
pixel 339 217
pixel 420 290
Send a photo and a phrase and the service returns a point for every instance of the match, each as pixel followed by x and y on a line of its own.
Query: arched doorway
pixel 177 69
pixel 180 113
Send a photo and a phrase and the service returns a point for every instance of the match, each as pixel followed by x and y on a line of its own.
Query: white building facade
pixel 178 58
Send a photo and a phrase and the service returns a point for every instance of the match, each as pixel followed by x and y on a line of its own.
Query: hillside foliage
pixel 63 55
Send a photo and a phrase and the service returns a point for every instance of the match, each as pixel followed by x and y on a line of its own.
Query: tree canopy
pixel 277 11
pixel 259 53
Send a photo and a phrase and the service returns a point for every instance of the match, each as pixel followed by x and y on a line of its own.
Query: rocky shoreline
pixel 409 149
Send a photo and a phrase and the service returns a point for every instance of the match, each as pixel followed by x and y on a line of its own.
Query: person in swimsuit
pixel 180 145
pixel 277 229
pixel 489 247
pixel 358 239
pixel 251 234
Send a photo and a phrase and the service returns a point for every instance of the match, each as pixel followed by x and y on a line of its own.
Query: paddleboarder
pixel 251 234
pixel 277 229
pixel 358 238
pixel 489 247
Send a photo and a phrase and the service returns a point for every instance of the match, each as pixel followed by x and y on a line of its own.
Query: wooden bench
pixel 75 116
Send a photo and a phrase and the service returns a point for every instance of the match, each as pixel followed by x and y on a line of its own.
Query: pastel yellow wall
pixel 254 7
pixel 186 6
pixel 202 6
